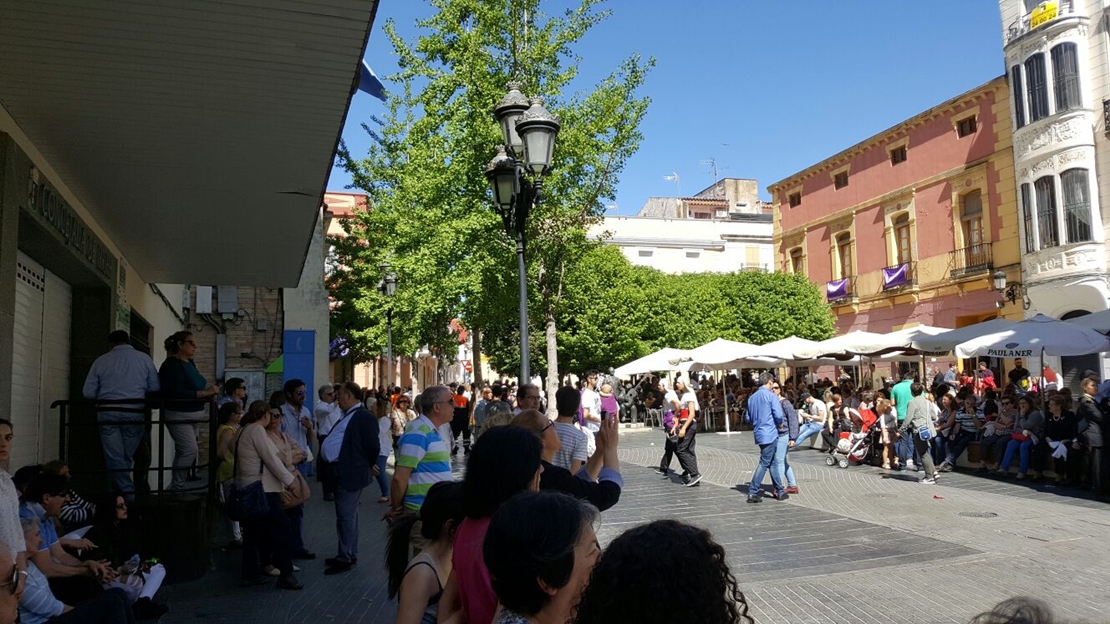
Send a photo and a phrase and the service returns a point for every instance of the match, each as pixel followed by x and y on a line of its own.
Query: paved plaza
pixel 857 545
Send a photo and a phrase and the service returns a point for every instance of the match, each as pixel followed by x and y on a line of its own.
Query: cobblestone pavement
pixel 857 545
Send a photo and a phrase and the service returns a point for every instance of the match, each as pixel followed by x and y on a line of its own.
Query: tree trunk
pixel 552 361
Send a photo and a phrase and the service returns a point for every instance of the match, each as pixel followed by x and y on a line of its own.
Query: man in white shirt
pixel 327 413
pixel 813 416
pixel 296 422
pixel 591 403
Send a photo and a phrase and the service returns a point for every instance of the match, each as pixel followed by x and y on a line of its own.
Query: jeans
pixel 907 448
pixel 939 448
pixel 807 431
pixel 956 448
pixel 383 478
pixel 782 464
pixel 184 443
pixel 766 458
pixel 266 539
pixel 1024 449
pixel 687 458
pixel 120 443
pixel 921 447
pixel 346 523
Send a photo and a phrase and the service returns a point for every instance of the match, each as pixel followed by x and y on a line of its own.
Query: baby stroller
pixel 854 447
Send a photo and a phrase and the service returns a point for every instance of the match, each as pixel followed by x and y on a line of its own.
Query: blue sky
pixel 763 88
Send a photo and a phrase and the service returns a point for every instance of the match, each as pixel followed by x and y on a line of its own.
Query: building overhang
pixel 198 137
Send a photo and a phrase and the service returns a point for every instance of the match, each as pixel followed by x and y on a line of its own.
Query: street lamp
pixel 516 177
pixel 388 287
pixel 1010 292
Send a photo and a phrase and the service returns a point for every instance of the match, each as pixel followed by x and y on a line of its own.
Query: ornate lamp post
pixel 388 287
pixel 516 176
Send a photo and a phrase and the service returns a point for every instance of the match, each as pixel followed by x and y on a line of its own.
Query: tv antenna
pixel 713 169
pixel 677 181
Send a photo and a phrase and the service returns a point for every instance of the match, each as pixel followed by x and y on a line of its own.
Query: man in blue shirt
pixel 765 416
pixel 123 373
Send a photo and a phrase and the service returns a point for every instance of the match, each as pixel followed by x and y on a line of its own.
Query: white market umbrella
pixel 947 341
pixel 901 340
pixel 786 348
pixel 1034 337
pixel 658 361
pixel 844 345
pixel 724 354
pixel 1098 321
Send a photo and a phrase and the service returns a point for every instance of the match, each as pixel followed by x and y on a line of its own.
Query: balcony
pixel 899 276
pixel 971 260
pixel 1047 12
pixel 756 268
pixel 841 291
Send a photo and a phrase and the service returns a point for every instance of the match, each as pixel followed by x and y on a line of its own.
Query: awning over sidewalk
pixel 199 135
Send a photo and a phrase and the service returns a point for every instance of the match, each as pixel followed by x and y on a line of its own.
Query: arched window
pixel 1065 77
pixel 902 248
pixel 1077 205
pixel 844 255
pixel 797 261
pixel 1045 189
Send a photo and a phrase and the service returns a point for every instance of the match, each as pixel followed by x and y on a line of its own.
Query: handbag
pixel 297 493
pixel 247 503
pixel 923 433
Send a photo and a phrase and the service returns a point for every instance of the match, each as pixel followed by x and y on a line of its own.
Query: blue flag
pixel 369 83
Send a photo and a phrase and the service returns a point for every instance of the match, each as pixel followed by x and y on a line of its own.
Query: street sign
pixel 468 366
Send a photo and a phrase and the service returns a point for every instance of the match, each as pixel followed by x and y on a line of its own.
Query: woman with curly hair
pixel 682 578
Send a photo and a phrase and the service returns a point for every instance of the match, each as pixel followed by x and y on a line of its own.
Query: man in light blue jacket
pixel 765 416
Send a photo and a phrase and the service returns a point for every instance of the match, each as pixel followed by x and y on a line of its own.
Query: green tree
pixel 430 212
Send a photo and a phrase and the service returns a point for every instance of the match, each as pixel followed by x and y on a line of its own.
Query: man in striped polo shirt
pixel 423 458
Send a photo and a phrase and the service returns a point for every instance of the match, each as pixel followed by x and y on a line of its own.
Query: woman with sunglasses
pixel 400 417
pixel 187 389
pixel 116 539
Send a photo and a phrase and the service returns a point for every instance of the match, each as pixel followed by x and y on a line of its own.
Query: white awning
pixel 200 136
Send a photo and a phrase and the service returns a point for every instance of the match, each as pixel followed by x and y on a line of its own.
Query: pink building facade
pixel 907 227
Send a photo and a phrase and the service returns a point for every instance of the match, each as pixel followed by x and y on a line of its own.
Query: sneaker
pixel 910 466
pixel 793 489
pixel 289 582
pixel 886 466
pixel 945 467
pixel 781 496
pixel 755 499
pixel 662 471
pixel 693 481
pixel 928 481
pixel 271 571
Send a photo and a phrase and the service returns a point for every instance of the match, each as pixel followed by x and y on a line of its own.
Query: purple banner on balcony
pixel 836 289
pixel 894 277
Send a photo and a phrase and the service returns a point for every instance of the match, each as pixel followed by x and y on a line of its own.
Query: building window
pixel 1027 214
pixel 1065 77
pixel 971 217
pixel 1019 95
pixel 898 155
pixel 1045 190
pixel 795 200
pixel 1077 205
pixel 645 253
pixel 901 225
pixel 840 180
pixel 1038 87
pixel 693 254
pixel 701 215
pixel 844 255
pixel 796 261
pixel 966 126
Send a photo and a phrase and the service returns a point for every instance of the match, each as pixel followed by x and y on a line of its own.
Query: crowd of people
pixel 513 541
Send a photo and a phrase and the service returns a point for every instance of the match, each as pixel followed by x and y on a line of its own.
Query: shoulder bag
pixel 249 502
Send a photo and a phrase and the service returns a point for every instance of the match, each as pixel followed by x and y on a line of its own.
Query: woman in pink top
pixel 505 462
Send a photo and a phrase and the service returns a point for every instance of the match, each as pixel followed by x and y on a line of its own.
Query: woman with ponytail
pixel 419 583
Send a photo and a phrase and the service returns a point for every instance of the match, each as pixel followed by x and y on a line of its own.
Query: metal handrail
pixel 971 260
